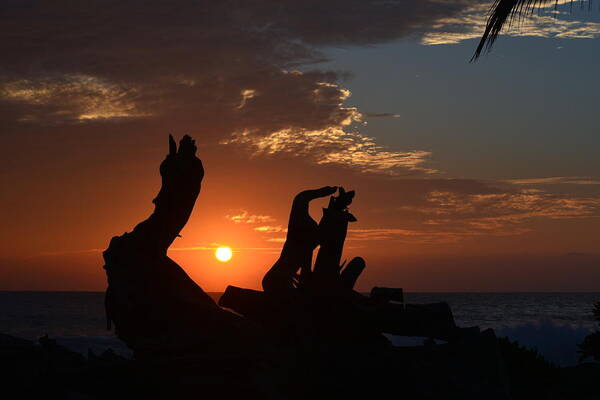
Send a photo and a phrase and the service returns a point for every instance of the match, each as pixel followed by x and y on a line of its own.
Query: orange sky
pixel 450 195
pixel 93 193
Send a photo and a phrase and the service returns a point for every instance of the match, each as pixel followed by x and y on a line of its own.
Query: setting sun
pixel 223 253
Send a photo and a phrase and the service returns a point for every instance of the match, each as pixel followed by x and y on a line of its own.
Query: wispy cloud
pixel 381 115
pixel 277 240
pixel 213 247
pixel 244 217
pixel 67 252
pixel 513 206
pixel 75 97
pixel 556 180
pixel 266 231
pixel 270 229
pixel 203 247
pixel 503 213
pixel 450 210
pixel 441 233
pixel 471 22
pixel 336 146
pixel 377 234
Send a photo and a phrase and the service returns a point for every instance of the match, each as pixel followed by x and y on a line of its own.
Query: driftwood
pixel 157 309
pixel 247 302
pixel 351 273
pixel 322 301
pixel 309 323
pixel 429 320
pixel 384 295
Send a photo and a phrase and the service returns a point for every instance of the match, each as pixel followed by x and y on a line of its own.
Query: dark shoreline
pixel 48 370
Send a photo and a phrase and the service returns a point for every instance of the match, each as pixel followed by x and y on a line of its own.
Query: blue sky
pixel 527 110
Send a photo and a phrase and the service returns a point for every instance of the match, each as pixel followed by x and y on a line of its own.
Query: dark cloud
pixel 230 67
pixel 71 61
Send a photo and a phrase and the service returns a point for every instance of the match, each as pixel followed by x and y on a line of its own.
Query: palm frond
pixel 501 12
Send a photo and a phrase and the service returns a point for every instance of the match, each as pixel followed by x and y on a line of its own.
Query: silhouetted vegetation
pixel 530 374
pixel 591 344
pixel 505 11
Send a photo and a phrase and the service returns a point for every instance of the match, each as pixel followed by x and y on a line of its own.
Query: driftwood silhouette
pixel 157 308
pixel 296 254
pixel 321 300
pixel 308 333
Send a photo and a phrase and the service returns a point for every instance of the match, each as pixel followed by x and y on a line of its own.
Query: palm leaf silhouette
pixel 502 12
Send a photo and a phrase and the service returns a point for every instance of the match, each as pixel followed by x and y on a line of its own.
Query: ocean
pixel 553 323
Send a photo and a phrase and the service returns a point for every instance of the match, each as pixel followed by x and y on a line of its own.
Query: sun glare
pixel 223 253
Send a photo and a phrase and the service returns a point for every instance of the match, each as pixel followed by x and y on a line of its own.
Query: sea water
pixel 553 323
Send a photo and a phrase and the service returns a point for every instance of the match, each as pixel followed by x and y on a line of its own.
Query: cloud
pixel 439 210
pixel 502 213
pixel 336 146
pixel 231 67
pixel 556 180
pixel 447 232
pixel 471 22
pixel 72 97
pixel 246 218
pixel 246 69
pixel 213 247
pixel 67 252
pixel 270 229
pixel 510 206
pixel 385 234
pixel 381 115
pixel 232 61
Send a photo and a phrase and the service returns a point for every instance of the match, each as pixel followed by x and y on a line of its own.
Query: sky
pixel 478 176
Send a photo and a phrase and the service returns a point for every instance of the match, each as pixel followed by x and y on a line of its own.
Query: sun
pixel 223 253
